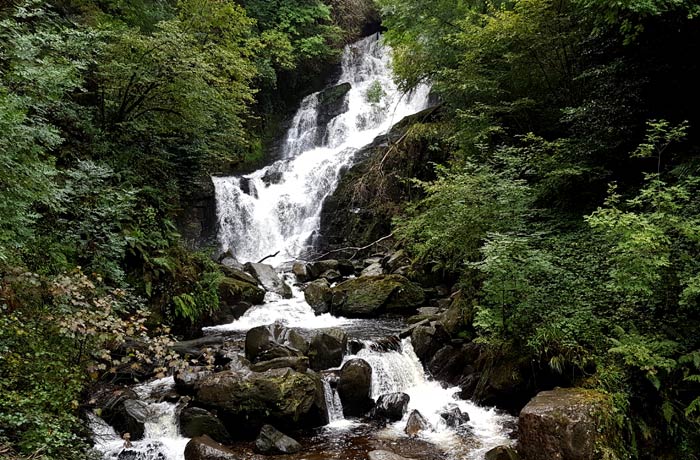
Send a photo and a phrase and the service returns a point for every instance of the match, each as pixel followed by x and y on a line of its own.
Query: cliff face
pixel 374 189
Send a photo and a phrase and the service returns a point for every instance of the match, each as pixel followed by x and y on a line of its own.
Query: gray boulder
pixel 373 270
pixel 300 272
pixel 454 416
pixel 318 295
pixel 205 448
pixel 119 407
pixel 502 453
pixel 416 423
pixel 264 343
pixel 271 441
pixel 195 421
pixel 368 296
pixel 355 387
pixel 269 279
pixel 565 424
pixel 327 349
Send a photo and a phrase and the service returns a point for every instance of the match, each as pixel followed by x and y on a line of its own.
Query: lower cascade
pixel 274 212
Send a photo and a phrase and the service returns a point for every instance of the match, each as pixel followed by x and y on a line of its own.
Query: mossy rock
pixel 232 291
pixel 371 295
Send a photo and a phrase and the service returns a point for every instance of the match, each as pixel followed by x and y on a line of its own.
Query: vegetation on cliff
pixel 568 206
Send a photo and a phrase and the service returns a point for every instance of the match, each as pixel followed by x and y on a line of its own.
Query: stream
pixel 276 210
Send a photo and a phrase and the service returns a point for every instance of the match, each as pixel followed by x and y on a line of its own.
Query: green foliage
pixel 375 93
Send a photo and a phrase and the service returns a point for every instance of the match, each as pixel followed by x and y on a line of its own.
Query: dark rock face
pixel 205 448
pixel 197 223
pixel 390 407
pixel 502 453
pixel 326 350
pixel 119 407
pixel 195 421
pixel 355 387
pixel 331 102
pixel 248 187
pixel 416 423
pixel 563 424
pixel 246 399
pixel 371 295
pixel 269 279
pixel 318 295
pixel 270 441
pixel 264 343
pixel 454 417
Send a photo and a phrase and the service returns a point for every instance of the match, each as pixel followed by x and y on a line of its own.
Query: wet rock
pixel 195 421
pixel 327 349
pixel 370 295
pixel 318 295
pixel 384 344
pixel 385 455
pixel 238 274
pixel 274 173
pixel 248 187
pixel 354 346
pixel 249 398
pixel 233 291
pixel 154 450
pixel 264 343
pixel 271 441
pixel 300 272
pixel 355 386
pixel 416 423
pixel 332 102
pixel 390 407
pixel 454 416
pixel 115 405
pixel 428 339
pixel 318 268
pixel 297 363
pixel 373 270
pixel 449 364
pixel 502 453
pixel 564 423
pixel 230 261
pixel 205 448
pixel 269 279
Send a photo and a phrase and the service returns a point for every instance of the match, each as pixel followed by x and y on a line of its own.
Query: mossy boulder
pixel 246 400
pixel 368 296
pixel 318 295
pixel 232 291
pixel 565 424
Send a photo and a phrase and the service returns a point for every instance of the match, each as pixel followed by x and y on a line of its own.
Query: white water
pixel 402 371
pixel 294 312
pixel 283 216
pixel 161 438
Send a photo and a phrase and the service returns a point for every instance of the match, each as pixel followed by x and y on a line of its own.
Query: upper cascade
pixel 277 208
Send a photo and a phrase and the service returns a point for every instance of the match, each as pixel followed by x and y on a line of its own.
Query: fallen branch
pixel 353 248
pixel 268 257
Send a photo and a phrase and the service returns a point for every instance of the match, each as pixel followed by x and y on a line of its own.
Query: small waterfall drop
pixel 277 208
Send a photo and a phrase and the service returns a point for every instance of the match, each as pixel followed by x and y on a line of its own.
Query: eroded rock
pixel 271 441
pixel 355 386
pixel 205 448
pixel 416 423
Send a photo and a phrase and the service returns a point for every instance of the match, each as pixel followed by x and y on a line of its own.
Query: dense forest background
pixel 566 210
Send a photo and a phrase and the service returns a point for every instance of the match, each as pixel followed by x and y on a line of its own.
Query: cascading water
pixel 402 371
pixel 277 208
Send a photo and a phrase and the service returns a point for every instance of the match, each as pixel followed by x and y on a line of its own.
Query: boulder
pixel 205 448
pixel 565 424
pixel 331 275
pixel 371 295
pixel 502 453
pixel 318 295
pixel 297 363
pixel 249 398
pixel 233 291
pixel 385 455
pixel 115 405
pixel 341 267
pixel 300 272
pixel 454 416
pixel 238 274
pixel 327 349
pixel 373 270
pixel 271 441
pixel 269 279
pixel 396 260
pixel 390 407
pixel 428 339
pixel 264 343
pixel 355 387
pixel 195 421
pixel 416 423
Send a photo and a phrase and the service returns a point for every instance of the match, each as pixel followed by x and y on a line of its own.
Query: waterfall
pixel 277 208
pixel 334 407
pixel 402 371
pixel 161 439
